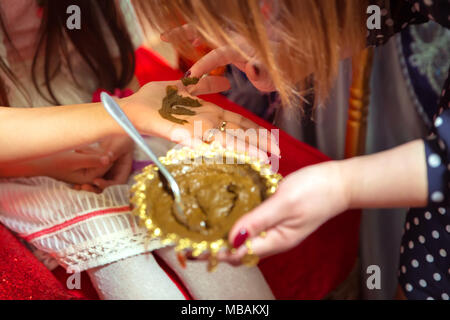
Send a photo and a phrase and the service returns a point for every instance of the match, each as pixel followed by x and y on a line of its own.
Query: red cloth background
pixel 309 271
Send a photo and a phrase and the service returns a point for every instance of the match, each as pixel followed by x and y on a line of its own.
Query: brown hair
pixel 293 38
pixel 89 41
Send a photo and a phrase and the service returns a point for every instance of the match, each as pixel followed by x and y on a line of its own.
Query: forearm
pixel 393 178
pixel 27 133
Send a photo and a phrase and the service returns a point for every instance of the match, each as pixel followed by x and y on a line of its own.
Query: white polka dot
pixel 408 226
pixel 443 253
pixel 404 25
pixel 429 258
pixel 443 92
pixel 422 283
pixel 403 268
pixel 442 211
pixel 448 270
pixel 389 22
pixel 408 287
pixel 410 244
pixel 428 215
pixel 402 249
pixel 437 196
pixel 415 263
pixel 416 221
pixel 429 3
pixel 435 234
pixel 444 296
pixel 384 12
pixel 447 228
pixel 421 239
pixel 434 160
pixel 430 298
pixel 438 122
pixel 437 276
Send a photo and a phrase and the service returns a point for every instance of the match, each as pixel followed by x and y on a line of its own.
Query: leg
pixel 135 278
pixel 227 283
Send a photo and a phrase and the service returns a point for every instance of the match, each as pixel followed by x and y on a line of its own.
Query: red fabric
pixel 22 276
pixel 309 271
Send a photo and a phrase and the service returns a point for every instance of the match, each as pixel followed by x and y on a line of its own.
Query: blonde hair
pixel 292 38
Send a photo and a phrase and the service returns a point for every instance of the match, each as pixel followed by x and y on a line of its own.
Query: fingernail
pixel 187 74
pixel 256 69
pixel 240 238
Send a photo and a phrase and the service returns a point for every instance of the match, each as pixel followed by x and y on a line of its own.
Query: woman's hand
pixel 243 57
pixel 303 202
pixel 306 199
pixel 142 109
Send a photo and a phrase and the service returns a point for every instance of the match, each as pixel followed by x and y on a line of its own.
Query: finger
pixel 86 161
pixel 90 188
pixel 269 214
pixel 240 143
pixel 249 132
pixel 216 58
pixel 209 85
pixel 90 149
pixel 103 183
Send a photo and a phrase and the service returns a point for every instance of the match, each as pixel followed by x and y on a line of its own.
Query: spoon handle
pixel 117 113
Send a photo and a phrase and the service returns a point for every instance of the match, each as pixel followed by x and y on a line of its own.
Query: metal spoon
pixel 116 112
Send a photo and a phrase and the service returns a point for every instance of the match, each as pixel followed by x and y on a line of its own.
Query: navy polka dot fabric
pixel 425 251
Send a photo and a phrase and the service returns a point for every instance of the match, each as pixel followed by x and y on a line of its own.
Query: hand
pixel 142 109
pixel 69 166
pixel 303 202
pixel 120 149
pixel 243 57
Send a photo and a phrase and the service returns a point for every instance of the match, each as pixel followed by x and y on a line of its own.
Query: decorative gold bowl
pixel 203 154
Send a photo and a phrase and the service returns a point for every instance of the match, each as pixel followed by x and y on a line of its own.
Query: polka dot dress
pixel 425 251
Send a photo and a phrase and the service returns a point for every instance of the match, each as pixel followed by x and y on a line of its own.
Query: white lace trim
pixel 106 250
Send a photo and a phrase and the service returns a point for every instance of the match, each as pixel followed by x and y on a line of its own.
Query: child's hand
pixel 121 151
pixel 71 166
pixel 142 109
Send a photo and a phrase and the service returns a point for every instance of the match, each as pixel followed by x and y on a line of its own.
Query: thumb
pixel 267 215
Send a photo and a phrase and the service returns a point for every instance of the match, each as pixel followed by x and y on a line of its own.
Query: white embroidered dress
pixel 81 230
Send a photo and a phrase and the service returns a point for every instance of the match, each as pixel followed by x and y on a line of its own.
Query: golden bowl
pixel 196 243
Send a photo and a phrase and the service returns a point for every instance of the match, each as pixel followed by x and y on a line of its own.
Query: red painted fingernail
pixel 240 238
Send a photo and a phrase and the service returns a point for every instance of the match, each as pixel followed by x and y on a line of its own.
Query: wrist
pixel 344 176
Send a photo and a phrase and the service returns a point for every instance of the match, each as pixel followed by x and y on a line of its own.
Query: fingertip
pixel 105 160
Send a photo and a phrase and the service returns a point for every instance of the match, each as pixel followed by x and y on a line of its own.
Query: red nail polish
pixel 240 238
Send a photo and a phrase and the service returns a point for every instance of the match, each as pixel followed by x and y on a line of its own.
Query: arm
pixel 311 196
pixel 393 178
pixel 27 133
